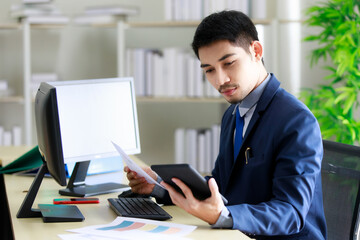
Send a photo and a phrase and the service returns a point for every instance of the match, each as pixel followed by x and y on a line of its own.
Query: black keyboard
pixel 138 208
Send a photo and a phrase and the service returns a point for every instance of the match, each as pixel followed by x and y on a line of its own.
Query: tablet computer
pixel 188 175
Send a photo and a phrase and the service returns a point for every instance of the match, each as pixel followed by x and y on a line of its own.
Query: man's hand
pixel 139 184
pixel 208 210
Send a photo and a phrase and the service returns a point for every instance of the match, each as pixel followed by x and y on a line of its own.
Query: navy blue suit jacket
pixel 276 193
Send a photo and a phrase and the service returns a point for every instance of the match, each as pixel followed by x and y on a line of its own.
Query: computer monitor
pixel 76 121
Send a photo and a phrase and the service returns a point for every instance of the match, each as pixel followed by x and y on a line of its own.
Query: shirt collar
pixel 252 98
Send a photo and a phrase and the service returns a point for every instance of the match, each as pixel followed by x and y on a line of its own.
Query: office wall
pixel 74 52
pixel 78 52
pixel 82 52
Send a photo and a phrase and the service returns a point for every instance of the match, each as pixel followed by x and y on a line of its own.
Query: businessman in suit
pixel 270 154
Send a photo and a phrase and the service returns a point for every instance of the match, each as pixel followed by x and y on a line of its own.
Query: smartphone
pixel 75 200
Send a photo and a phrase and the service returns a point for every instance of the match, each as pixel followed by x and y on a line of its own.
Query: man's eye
pixel 229 63
pixel 209 70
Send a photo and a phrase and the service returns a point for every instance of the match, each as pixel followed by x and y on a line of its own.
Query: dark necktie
pixel 238 133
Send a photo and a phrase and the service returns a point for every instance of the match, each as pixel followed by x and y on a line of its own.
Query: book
pixel 179 138
pixel 198 147
pixel 139 74
pixel 201 153
pixel 190 76
pixel 158 87
pixel 258 9
pixel 7 138
pixel 3 85
pixel 97 19
pixel 209 162
pixel 170 72
pixel 180 82
pixel 198 79
pixel 26 10
pixel 1 135
pixel 170 69
pixel 191 147
pixel 16 133
pixel 47 19
pixel 215 142
pixel 112 9
pixel 183 10
pixel 36 1
pixel 149 73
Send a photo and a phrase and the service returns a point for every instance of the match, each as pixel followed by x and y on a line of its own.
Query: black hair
pixel 234 26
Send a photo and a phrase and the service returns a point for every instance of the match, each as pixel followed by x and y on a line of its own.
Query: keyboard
pixel 138 208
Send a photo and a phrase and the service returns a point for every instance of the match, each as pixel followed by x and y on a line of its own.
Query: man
pixel 271 179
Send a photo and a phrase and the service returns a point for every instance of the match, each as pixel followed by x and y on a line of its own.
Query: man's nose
pixel 221 77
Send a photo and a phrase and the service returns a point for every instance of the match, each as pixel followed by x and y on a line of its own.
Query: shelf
pixel 47 26
pixel 6 26
pixel 19 99
pixel 179 100
pixel 182 23
pixel 140 24
pixel 33 25
pixel 165 24
pixel 12 99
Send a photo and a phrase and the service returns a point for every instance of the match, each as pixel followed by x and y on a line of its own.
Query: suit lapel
pixel 264 101
pixel 262 104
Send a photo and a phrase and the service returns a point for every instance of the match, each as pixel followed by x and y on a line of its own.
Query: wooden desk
pixel 35 228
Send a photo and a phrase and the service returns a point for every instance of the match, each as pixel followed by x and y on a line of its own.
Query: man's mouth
pixel 228 90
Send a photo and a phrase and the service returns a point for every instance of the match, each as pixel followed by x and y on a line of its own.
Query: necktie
pixel 238 133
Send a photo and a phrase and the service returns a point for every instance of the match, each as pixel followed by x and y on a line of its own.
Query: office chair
pixel 341 190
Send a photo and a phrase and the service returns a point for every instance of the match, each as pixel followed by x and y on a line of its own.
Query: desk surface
pixel 34 228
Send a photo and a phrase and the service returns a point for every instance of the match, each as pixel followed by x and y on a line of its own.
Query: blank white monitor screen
pixel 92 113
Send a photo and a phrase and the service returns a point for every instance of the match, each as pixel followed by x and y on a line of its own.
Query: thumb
pixel 214 189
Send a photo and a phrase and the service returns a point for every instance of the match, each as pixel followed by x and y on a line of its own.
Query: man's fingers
pixel 213 185
pixel 184 188
pixel 168 187
pixel 214 189
pixel 137 181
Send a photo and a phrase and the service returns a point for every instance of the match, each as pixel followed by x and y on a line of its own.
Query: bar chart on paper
pixel 134 228
pixel 140 226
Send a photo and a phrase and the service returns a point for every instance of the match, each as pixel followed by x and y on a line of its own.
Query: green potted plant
pixel 336 103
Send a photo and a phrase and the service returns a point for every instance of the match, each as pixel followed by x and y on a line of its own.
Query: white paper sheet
pixel 79 236
pixel 134 167
pixel 135 228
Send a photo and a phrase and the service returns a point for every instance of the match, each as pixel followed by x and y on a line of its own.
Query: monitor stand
pixel 77 187
pixel 49 212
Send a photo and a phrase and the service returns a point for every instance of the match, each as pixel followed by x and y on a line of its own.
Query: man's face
pixel 230 69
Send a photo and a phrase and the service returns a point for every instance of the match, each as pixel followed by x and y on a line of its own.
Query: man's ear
pixel 256 50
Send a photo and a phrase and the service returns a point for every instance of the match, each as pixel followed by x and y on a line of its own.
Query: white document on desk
pixel 134 228
pixel 134 167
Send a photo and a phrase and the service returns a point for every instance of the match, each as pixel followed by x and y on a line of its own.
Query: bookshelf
pixel 161 123
pixel 25 100
pixel 159 116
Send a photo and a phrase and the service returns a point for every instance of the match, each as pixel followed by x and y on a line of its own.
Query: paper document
pixel 134 167
pixel 133 228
